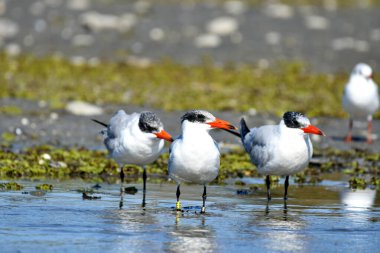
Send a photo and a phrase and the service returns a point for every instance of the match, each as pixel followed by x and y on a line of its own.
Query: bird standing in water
pixel 361 98
pixel 282 149
pixel 194 155
pixel 136 138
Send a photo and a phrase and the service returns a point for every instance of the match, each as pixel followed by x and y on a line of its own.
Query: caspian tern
pixel 194 155
pixel 361 98
pixel 282 149
pixel 136 138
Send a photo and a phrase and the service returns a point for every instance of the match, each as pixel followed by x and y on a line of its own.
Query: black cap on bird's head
pixel 204 117
pixel 198 116
pixel 300 121
pixel 150 123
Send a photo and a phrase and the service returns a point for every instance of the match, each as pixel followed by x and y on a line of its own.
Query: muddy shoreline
pixel 38 125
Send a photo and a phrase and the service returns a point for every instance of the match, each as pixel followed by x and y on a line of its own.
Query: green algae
pixel 230 87
pixel 44 187
pixel 8 137
pixel 10 110
pixel 95 166
pixel 11 186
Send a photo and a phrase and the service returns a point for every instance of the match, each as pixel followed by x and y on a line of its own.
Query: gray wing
pixel 118 123
pixel 258 144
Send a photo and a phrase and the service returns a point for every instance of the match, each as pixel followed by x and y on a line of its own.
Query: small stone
pixel 46 156
pixel 280 11
pixel 252 112
pixel 83 40
pixel 207 41
pixel 97 22
pixel 314 22
pixel 54 116
pixel 273 38
pixel 223 26
pixel 8 28
pixel 263 63
pixel 343 43
pixel 78 5
pixel 78 60
pixel 18 131
pixel 42 103
pixel 13 49
pixel 58 164
pixel 157 34
pixel 25 121
pixel 83 108
pixel 235 7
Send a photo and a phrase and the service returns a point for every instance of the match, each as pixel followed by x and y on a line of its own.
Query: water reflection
pixel 358 200
pixel 132 228
pixel 280 229
pixel 191 236
pixel 357 204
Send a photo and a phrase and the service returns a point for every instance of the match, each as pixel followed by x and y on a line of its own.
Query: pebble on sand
pixel 280 11
pixel 83 108
pixel 207 41
pixel 314 22
pixel 8 28
pixel 223 26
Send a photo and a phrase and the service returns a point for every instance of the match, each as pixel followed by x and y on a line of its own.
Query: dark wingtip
pixel 244 130
pixel 99 122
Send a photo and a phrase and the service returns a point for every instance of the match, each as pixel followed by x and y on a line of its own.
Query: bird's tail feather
pixel 244 130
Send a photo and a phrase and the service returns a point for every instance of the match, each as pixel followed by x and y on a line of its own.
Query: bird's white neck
pixel 195 131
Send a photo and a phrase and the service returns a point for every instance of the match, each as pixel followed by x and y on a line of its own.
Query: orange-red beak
pixel 222 124
pixel 313 130
pixel 164 135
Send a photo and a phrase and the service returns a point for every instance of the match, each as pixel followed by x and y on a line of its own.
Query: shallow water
pixel 324 218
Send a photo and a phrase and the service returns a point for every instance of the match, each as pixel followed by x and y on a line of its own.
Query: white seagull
pixel 282 149
pixel 194 155
pixel 136 138
pixel 361 98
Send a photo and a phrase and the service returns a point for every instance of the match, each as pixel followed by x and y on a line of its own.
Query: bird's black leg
pixel 369 130
pixel 267 181
pixel 204 196
pixel 121 179
pixel 349 135
pixel 286 188
pixel 121 203
pixel 144 186
pixel 178 193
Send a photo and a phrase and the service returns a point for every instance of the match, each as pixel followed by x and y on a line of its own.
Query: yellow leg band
pixel 178 206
